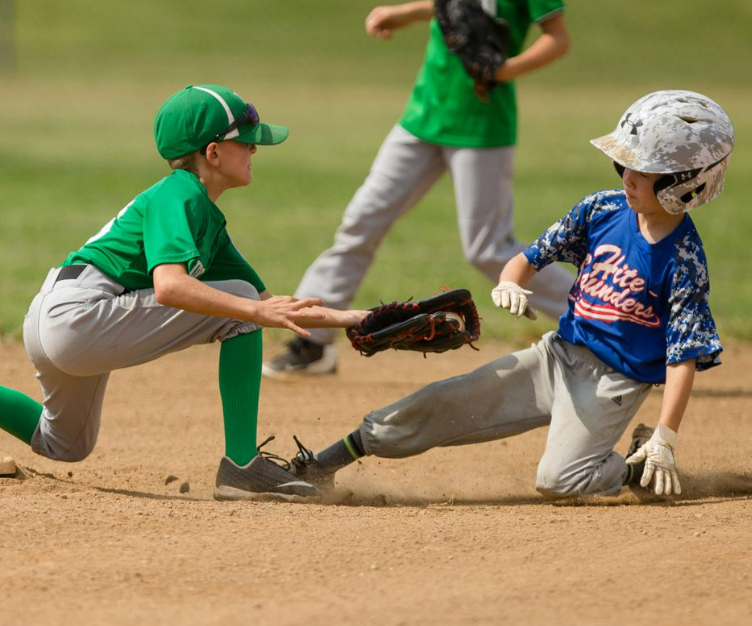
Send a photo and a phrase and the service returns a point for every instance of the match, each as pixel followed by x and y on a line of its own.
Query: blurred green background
pixel 80 82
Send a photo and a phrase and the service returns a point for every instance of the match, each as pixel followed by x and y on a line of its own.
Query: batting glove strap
pixel 510 296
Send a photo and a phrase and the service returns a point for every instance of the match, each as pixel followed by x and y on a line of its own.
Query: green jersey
pixel 443 107
pixel 174 221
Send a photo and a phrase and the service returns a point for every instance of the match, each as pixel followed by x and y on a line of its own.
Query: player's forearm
pixel 187 293
pixel 552 44
pixel 333 318
pixel 518 271
pixel 384 20
pixel 679 380
pixel 414 11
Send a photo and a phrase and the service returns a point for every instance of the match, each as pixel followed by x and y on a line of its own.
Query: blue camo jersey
pixel 637 306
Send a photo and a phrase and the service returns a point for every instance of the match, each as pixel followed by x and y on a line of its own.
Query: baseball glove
pixel 479 40
pixel 446 321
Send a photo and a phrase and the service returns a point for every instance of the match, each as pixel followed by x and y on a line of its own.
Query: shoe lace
pixel 303 457
pixel 270 456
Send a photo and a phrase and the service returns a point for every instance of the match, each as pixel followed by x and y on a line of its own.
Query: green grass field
pixel 77 108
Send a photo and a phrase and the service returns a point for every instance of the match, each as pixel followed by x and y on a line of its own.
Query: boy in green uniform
pixel 162 276
pixel 445 127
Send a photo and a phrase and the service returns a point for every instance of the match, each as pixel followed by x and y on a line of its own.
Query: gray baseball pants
pixel 79 330
pixel 586 404
pixel 405 168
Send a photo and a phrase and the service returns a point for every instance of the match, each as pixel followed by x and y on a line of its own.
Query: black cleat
pixel 302 357
pixel 640 436
pixel 305 466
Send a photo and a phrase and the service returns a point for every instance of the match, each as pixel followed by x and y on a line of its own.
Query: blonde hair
pixel 187 162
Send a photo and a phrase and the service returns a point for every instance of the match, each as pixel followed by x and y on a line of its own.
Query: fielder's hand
pixel 285 311
pixel 658 454
pixel 510 296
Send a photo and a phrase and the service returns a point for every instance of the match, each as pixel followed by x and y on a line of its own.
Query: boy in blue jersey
pixel 638 315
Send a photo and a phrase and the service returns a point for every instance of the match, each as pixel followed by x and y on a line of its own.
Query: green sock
pixel 19 414
pixel 239 384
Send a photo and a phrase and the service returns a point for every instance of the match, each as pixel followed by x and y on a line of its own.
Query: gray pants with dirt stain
pixel 79 330
pixel 586 404
pixel 402 173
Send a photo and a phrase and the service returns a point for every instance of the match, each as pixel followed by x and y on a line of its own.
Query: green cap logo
pixel 199 114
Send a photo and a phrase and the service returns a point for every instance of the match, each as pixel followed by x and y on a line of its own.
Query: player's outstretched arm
pixel 174 287
pixel 552 44
pixel 658 453
pixel 384 20
pixel 322 317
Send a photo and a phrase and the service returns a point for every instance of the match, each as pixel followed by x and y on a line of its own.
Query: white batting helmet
pixel 681 134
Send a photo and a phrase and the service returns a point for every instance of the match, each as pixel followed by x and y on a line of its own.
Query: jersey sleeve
pixel 691 331
pixel 542 10
pixel 566 240
pixel 229 264
pixel 171 229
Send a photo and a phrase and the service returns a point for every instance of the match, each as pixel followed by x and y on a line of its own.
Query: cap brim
pixel 263 135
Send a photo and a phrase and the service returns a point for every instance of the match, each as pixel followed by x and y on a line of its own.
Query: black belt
pixel 69 272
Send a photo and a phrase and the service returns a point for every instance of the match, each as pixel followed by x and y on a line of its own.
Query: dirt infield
pixel 456 536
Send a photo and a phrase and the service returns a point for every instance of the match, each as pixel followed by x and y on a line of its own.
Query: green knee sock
pixel 239 385
pixel 19 414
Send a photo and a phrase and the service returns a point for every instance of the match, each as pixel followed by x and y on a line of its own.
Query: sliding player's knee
pixel 568 479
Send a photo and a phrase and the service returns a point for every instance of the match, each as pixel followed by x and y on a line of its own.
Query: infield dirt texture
pixel 456 536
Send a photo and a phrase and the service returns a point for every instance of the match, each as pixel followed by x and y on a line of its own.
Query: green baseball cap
pixel 199 114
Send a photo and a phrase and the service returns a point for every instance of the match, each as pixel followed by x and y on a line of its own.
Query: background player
pixel 444 127
pixel 638 315
pixel 162 276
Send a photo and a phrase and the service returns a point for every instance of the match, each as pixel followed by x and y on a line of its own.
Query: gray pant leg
pixel 592 408
pixel 482 179
pixel 587 404
pixel 505 397
pixel 78 330
pixel 69 433
pixel 404 170
pixel 91 325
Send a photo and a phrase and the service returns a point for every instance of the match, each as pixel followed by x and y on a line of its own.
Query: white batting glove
pixel 658 454
pixel 510 296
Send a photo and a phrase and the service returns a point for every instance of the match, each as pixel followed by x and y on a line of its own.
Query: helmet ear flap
pixel 690 189
pixel 664 182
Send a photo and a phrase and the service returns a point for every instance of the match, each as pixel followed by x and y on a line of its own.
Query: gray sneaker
pixel 263 479
pixel 305 466
pixel 302 357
